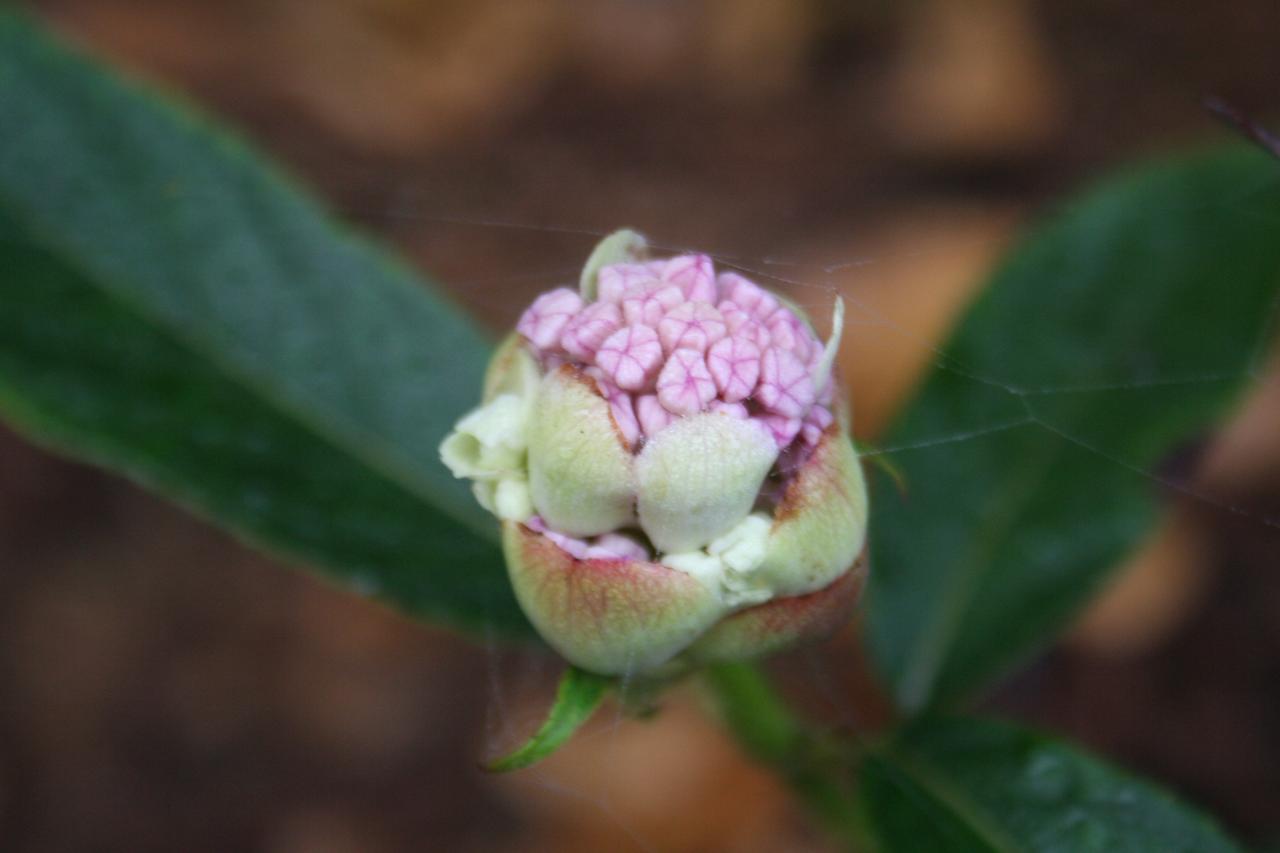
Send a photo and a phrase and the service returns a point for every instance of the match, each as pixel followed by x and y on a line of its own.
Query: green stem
pixel 817 764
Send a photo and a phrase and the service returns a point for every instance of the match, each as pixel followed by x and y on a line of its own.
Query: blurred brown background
pixel 163 688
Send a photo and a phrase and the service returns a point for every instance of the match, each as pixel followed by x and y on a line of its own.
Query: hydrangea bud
pixel 668 455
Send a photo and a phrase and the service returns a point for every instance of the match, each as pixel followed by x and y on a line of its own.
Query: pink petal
pixel 743 325
pixel 544 320
pixel 576 548
pixel 734 364
pixel 756 333
pixel 784 429
pixel 615 546
pixel 815 424
pixel 589 328
pixel 685 385
pixel 789 332
pixel 691 325
pixel 630 357
pixel 786 387
pixel 783 328
pixel 648 305
pixel 748 295
pixel 734 314
pixel 733 410
pixel 652 416
pixel 820 416
pixel 623 411
pixel 617 280
pixel 793 457
pixel 694 275
pixel 625 417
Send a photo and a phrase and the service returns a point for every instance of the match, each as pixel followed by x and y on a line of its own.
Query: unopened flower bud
pixel 669 458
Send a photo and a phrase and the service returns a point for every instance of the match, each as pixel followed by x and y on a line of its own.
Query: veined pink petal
pixel 685 385
pixel 647 306
pixel 734 314
pixel 617 280
pixel 734 364
pixel 694 275
pixel 742 325
pixel 691 325
pixel 815 355
pixel 652 415
pixel 789 332
pixel 815 424
pixel 756 333
pixel 623 411
pixel 588 329
pixel 786 387
pixel 784 429
pixel 544 320
pixel 748 295
pixel 630 357
pixel 809 349
pixel 782 332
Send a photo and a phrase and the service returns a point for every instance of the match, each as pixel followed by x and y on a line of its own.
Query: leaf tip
pixel 577 698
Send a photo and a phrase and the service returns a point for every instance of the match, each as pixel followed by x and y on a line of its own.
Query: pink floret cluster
pixel 609 546
pixel 670 338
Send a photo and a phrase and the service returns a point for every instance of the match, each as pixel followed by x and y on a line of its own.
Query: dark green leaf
pixel 1118 330
pixel 173 309
pixel 577 698
pixel 961 785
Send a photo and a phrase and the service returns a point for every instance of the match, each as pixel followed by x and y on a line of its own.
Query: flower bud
pixel 670 461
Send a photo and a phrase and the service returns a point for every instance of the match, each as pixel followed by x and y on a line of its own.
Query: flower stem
pixel 818 765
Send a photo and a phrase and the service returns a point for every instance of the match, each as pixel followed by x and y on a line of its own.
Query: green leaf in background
pixel 979 786
pixel 1121 328
pixel 173 309
pixel 577 698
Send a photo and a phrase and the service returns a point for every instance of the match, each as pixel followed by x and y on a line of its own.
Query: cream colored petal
pixel 580 471
pixel 823 371
pixel 489 442
pixel 512 370
pixel 728 564
pixel 779 624
pixel 699 477
pixel 512 499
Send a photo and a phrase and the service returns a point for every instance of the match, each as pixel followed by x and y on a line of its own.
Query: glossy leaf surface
pixel 175 310
pixel 979 786
pixel 1118 331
